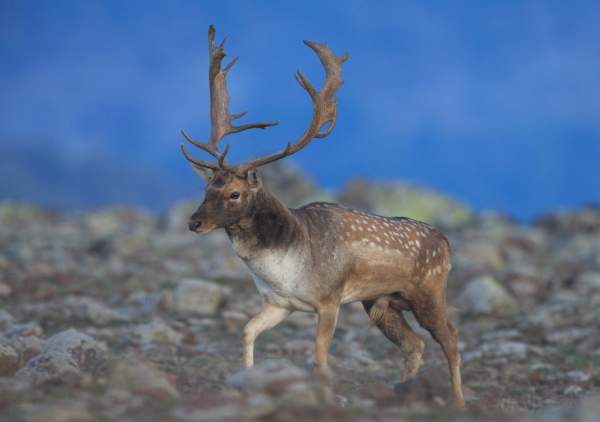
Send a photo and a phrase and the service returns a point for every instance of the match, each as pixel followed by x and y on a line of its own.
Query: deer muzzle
pixel 194 224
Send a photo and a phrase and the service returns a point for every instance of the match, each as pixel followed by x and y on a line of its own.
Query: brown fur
pixel 392 265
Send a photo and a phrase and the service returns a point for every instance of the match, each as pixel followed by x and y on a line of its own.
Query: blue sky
pixel 495 103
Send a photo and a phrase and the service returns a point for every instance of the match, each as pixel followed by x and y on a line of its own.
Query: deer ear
pixel 205 173
pixel 254 179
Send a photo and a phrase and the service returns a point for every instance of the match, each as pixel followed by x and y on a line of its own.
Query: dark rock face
pixel 117 314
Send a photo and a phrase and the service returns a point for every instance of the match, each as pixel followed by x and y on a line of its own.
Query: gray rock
pixel 119 221
pixel 5 290
pixel 589 282
pixel 299 346
pixel 27 347
pixel 87 309
pixel 194 296
pixel 15 352
pixel 9 359
pixel 156 331
pixel 285 382
pixel 141 304
pixel 24 330
pixel 484 296
pixel 586 220
pixel 265 373
pixel 477 255
pixel 513 349
pixel 141 378
pixel 65 356
pixel 573 390
pixel 578 376
pixel 6 320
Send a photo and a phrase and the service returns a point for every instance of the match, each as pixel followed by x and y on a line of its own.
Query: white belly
pixel 281 279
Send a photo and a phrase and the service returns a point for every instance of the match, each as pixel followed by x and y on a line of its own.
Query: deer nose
pixel 194 225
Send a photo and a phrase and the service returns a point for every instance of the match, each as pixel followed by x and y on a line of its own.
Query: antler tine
pixel 196 162
pixel 324 106
pixel 220 117
pixel 208 147
pixel 219 98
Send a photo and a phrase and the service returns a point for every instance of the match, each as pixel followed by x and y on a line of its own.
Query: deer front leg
pixel 268 317
pixel 325 329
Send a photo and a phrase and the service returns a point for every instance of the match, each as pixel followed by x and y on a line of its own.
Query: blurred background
pixel 496 104
pixel 476 116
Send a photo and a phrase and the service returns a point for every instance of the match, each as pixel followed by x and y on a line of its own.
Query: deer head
pixel 232 190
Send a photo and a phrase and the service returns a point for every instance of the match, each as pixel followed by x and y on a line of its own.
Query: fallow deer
pixel 322 255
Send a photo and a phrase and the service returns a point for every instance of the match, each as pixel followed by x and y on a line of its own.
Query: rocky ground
pixel 118 314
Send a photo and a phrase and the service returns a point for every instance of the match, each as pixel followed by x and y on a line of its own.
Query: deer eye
pixel 234 195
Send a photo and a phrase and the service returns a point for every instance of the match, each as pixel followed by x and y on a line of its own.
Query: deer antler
pixel 324 108
pixel 220 118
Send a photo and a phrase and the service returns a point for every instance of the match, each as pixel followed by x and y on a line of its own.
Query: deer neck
pixel 269 227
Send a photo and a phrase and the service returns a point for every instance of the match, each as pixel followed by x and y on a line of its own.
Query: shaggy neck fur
pixel 269 225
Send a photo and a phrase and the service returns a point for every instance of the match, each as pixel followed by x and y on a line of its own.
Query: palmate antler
pixel 324 109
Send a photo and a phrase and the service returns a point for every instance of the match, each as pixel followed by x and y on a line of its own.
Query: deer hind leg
pixel 393 325
pixel 268 317
pixel 430 312
pixel 325 328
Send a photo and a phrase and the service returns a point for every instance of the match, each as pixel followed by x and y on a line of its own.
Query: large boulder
pixel 485 296
pixel 141 378
pixel 156 331
pixel 65 357
pixel 196 296
pixel 15 352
